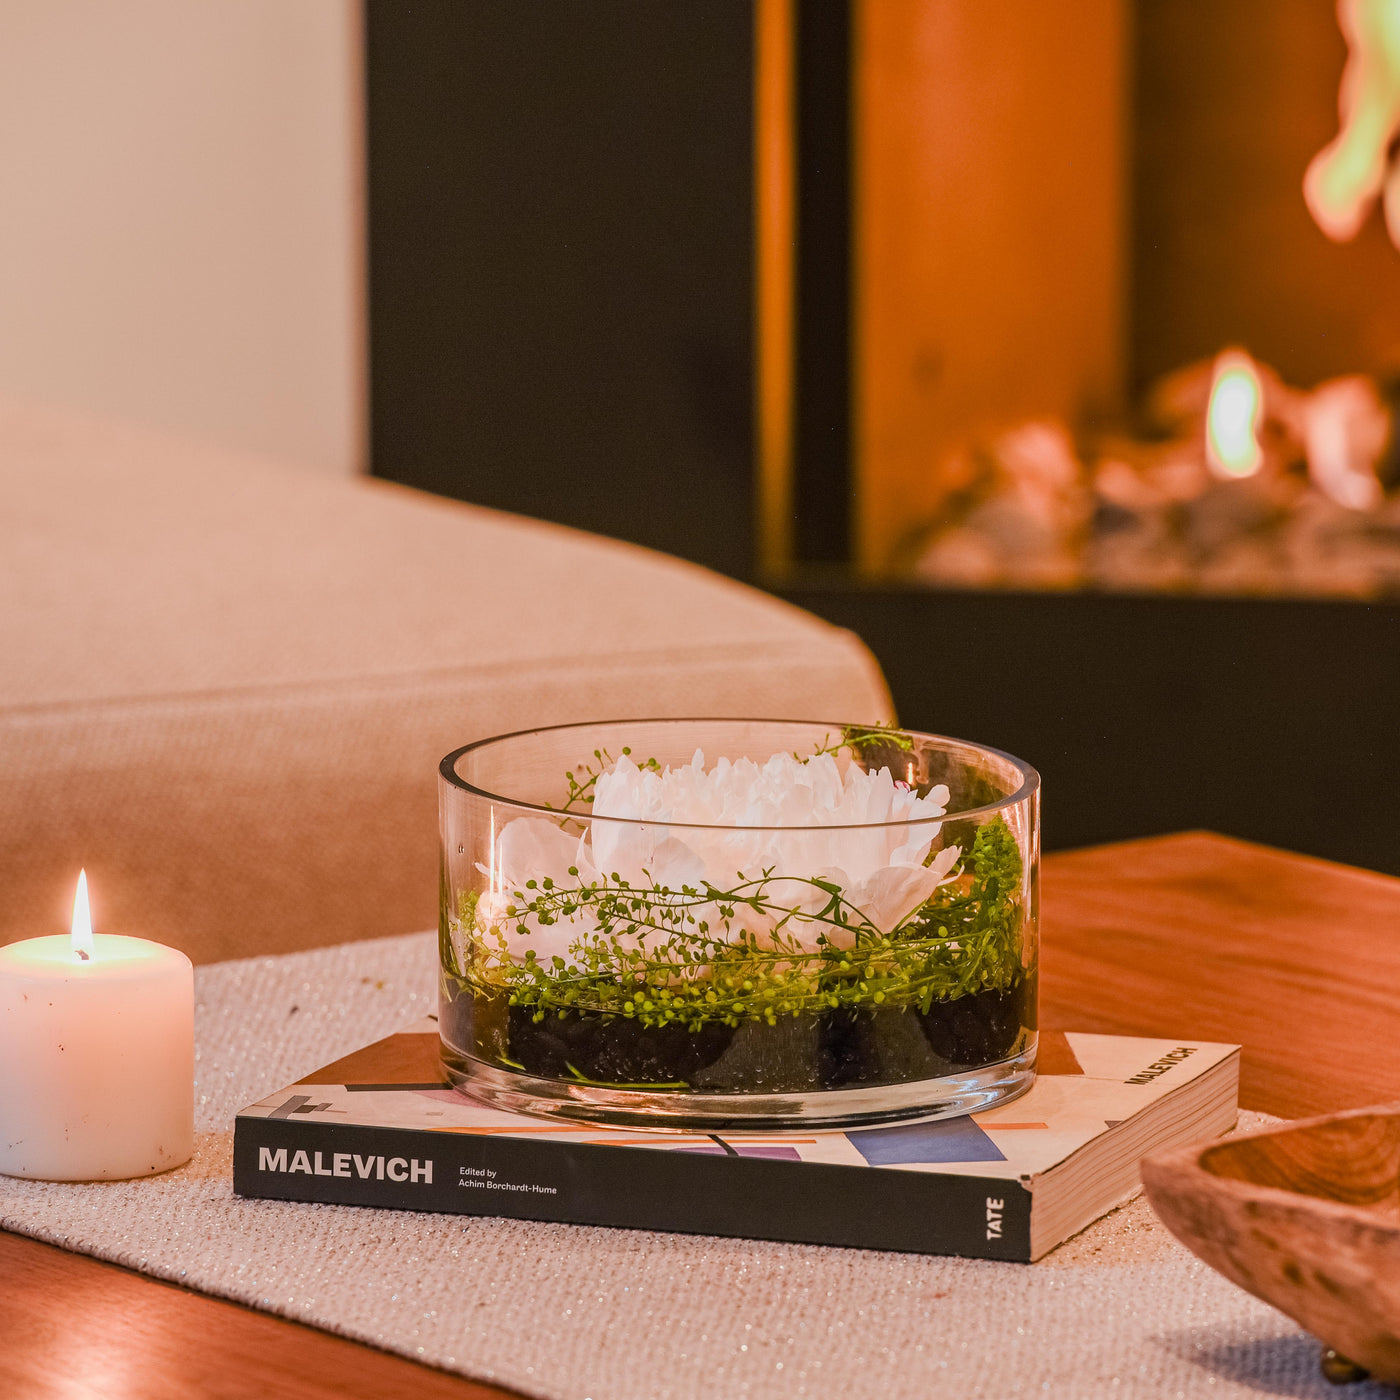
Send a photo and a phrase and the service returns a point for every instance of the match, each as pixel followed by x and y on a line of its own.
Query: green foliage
pixel 983 909
pixel 466 917
pixel 872 744
pixel 581 788
pixel 650 953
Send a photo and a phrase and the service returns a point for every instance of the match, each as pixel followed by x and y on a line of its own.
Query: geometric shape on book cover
pixel 408 1058
pixel 1055 1055
pixel 772 1151
pixel 298 1103
pixel 948 1140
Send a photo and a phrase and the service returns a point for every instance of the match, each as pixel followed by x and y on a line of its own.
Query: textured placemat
pixel 573 1312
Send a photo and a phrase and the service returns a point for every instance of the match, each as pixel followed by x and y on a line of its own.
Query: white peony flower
pixel 535 848
pixel 785 822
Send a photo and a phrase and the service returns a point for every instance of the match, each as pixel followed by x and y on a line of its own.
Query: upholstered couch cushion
pixel 225 686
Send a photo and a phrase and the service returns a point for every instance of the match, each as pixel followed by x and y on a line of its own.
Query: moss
pixel 653 961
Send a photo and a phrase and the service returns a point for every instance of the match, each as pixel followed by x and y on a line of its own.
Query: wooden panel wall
pixel 990 229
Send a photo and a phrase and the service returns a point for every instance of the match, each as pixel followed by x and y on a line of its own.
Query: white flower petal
pixel 773 827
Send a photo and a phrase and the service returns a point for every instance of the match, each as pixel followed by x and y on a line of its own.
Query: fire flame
pixel 1359 165
pixel 81 935
pixel 1233 417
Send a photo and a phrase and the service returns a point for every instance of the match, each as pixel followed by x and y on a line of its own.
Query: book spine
pixel 638 1188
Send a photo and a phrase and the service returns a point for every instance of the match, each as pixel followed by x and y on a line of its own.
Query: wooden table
pixel 1199 936
pixel 1194 936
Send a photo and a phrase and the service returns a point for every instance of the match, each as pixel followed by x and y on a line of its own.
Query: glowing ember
pixel 1345 428
pixel 1231 482
pixel 1232 420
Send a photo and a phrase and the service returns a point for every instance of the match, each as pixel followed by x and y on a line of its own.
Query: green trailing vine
pixel 581 789
pixel 651 955
pixel 865 741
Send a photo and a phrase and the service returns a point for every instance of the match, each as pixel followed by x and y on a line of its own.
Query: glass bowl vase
pixel 718 923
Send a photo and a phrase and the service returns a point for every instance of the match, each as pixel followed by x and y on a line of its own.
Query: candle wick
pixel 82 953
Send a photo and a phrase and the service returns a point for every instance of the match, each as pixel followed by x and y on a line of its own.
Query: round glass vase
pixel 642 971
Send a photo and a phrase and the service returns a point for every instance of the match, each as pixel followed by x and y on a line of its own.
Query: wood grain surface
pixel 74 1328
pixel 1197 935
pixel 1192 935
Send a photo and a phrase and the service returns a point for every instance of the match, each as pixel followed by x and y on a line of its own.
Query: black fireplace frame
pixel 1274 720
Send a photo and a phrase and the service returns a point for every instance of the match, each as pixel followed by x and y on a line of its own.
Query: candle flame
pixel 1233 418
pixel 82 920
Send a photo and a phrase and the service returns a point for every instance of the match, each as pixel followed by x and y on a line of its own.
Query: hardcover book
pixel 379 1128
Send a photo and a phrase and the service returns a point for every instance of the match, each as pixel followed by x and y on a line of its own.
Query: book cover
pixel 379 1128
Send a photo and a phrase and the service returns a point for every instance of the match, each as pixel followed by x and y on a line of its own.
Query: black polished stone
pixel 846 1048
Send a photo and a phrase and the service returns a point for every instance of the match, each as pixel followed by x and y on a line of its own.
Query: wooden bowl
pixel 1306 1216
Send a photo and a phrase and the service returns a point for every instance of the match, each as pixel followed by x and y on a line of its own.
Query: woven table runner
pixel 581 1313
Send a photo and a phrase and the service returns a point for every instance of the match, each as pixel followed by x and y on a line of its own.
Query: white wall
pixel 180 217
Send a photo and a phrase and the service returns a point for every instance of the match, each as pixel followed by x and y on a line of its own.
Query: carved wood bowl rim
pixel 1223 1220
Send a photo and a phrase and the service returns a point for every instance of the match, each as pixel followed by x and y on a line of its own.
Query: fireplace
pixel 1234 484
pixel 1125 315
pixel 1121 426
pixel 1001 333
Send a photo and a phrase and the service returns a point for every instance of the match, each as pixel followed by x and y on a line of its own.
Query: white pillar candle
pixel 96 1055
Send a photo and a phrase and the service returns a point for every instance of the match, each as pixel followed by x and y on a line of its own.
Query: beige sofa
pixel 225 687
